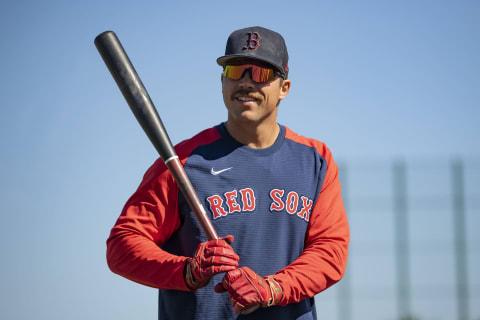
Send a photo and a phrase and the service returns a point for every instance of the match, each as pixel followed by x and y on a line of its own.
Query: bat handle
pixel 175 167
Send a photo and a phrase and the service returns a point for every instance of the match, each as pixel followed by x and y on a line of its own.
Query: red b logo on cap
pixel 253 41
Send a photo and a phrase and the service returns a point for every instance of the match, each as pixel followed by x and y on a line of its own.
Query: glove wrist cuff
pixel 190 281
pixel 276 292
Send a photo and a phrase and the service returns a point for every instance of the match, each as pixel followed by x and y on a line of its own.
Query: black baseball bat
pixel 144 110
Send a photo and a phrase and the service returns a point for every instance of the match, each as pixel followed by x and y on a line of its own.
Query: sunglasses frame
pixel 249 65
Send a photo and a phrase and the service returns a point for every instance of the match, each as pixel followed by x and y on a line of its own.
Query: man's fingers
pixel 228 239
pixel 220 247
pixel 219 288
pixel 220 242
pixel 217 269
pixel 248 291
pixel 213 257
pixel 220 251
pixel 219 261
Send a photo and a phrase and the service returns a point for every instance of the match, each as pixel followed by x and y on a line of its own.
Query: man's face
pixel 251 102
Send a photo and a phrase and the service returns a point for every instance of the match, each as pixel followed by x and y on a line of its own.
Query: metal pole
pixel 460 240
pixel 401 238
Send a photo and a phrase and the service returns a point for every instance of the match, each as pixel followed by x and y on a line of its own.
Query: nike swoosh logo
pixel 214 173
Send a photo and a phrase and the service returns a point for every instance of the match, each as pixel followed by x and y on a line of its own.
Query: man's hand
pixel 248 289
pixel 211 257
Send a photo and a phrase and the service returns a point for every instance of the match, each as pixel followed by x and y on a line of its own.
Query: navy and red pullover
pixel 282 204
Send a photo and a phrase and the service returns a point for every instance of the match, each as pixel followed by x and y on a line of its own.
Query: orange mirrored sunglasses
pixel 258 73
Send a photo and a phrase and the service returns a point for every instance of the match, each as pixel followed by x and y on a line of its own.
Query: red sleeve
pixel 148 219
pixel 323 261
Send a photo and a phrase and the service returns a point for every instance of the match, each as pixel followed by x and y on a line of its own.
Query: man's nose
pixel 246 79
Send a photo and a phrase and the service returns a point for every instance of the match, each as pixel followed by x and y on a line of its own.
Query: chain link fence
pixel 414 251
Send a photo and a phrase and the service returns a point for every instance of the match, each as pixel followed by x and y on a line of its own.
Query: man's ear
pixel 284 88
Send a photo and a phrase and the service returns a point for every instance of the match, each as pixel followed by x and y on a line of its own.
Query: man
pixel 275 192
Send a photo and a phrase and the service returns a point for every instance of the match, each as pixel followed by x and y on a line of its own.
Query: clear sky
pixel 372 79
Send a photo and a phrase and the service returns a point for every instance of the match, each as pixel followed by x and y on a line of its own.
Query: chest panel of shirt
pixel 262 197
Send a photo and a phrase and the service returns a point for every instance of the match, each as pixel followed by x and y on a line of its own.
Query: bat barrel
pixel 134 92
pixel 142 107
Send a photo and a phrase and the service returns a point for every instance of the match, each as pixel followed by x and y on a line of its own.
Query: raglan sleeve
pixel 323 260
pixel 147 220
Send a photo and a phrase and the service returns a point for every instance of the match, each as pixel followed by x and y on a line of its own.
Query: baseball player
pixel 273 195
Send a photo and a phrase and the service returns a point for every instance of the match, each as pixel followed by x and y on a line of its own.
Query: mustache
pixel 245 92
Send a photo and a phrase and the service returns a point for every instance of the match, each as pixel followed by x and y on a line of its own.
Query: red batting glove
pixel 212 257
pixel 248 289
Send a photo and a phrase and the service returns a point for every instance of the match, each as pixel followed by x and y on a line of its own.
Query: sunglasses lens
pixel 234 72
pixel 259 74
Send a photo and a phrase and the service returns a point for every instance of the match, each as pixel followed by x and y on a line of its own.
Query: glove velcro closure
pixel 276 292
pixel 191 283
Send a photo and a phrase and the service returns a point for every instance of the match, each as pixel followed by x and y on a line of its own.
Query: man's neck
pixel 257 136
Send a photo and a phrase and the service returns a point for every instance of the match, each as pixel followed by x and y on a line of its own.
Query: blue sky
pixel 372 79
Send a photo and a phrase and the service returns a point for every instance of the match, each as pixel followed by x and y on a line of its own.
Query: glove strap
pixel 276 291
pixel 191 283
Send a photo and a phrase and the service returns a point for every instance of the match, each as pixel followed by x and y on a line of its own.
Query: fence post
pixel 459 232
pixel 401 238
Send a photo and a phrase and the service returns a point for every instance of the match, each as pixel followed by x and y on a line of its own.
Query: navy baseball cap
pixel 257 43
